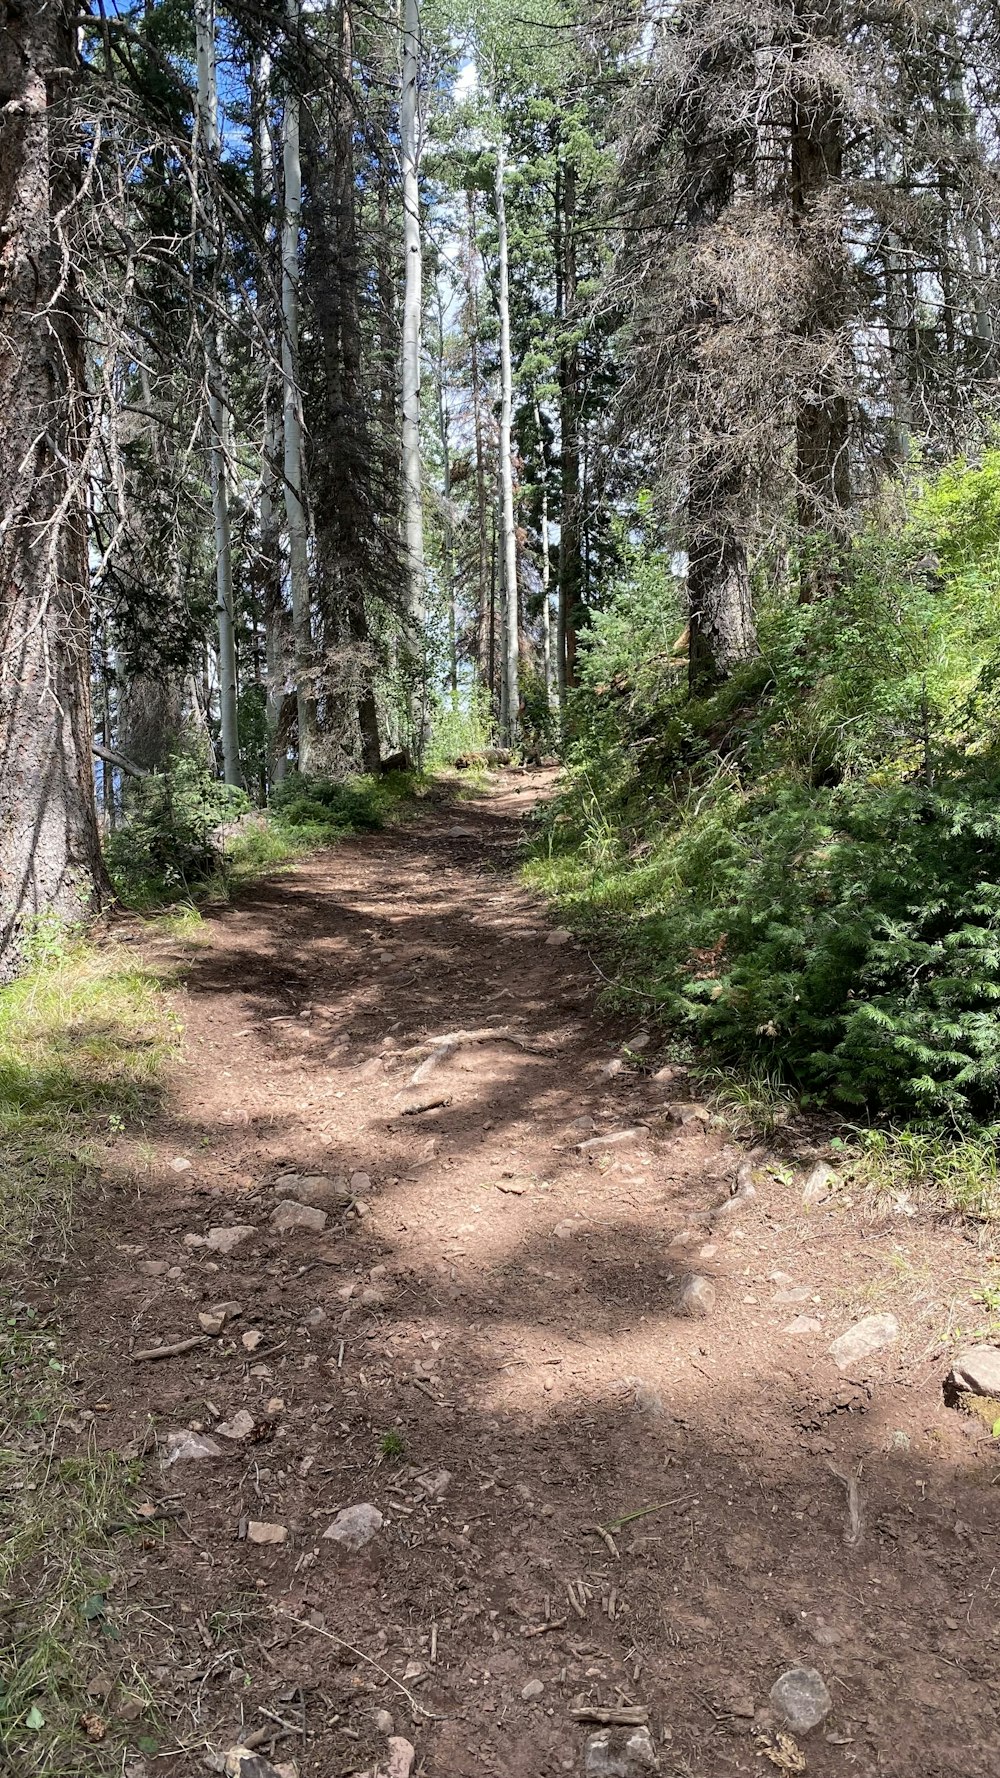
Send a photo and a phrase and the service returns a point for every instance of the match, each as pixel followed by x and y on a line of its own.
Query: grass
pixel 83 1036
pixel 959 1173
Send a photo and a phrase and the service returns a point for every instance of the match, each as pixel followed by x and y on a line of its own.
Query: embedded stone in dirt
pixel 977 1371
pixel 154 1268
pixel 801 1699
pixel 559 937
pixel 564 1231
pixel 314 1189
pixel 639 1040
pixel 259 1531
pixel 820 1183
pixel 692 1113
pixel 615 1138
pixel 698 1296
pixel 612 1754
pixel 240 1426
pixel 241 1763
pixel 355 1526
pixel 251 1339
pixel 384 1723
pixel 224 1240
pixel 360 1182
pixel 402 1754
pixel 799 1293
pixel 863 1340
pixel 180 1165
pixel 289 1218
pixel 533 1690
pixel 804 1324
pixel 188 1447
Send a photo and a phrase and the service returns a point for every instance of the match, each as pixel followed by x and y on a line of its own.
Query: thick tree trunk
pixel 823 420
pixel 511 701
pixel 483 539
pixel 570 560
pixel 49 851
pixel 218 413
pixel 413 515
pixel 296 523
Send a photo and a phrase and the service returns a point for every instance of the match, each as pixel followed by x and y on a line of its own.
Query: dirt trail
pixel 490 1348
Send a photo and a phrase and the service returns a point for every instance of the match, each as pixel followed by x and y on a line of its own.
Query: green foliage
pixel 803 872
pixel 325 808
pixel 459 728
pixel 170 840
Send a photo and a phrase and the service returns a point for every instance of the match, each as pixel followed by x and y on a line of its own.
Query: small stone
pixel 251 1339
pixel 689 1113
pixel 532 1690
pixel 188 1447
pixel 819 1185
pixel 374 1296
pixel 314 1190
pixel 648 1399
pixel 360 1182
pixel 863 1340
pixel 709 1250
pixel 224 1240
pixel 615 1066
pixel 228 1310
pixel 240 1426
pixel 826 1635
pixel 559 937
pixel 574 1225
pixel 698 1296
pixel 799 1293
pixel 612 1754
pixel 801 1699
pixel 615 1138
pixel 402 1754
pixel 640 1754
pixel 258 1531
pixel 290 1217
pixel 355 1526
pixel 180 1165
pixel 314 1317
pixel 384 1722
pixel 977 1370
pixel 582 1126
pixel 639 1040
pixel 211 1324
pixel 804 1324
pixel 671 1072
pixel 153 1268
pixel 195 1241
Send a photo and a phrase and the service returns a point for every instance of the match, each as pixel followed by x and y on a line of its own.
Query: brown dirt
pixel 509 1307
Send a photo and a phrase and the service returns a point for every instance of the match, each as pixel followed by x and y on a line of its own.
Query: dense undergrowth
pixel 800 876
pixel 83 1036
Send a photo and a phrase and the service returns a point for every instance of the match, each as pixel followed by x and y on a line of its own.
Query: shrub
pixel 169 842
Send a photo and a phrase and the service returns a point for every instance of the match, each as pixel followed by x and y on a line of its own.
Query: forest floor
pixel 487 1343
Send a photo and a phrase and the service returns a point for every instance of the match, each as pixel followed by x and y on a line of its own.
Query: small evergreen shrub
pixel 168 843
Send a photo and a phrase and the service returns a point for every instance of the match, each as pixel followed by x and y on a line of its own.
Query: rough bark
pixel 413 518
pixel 49 851
pixel 570 557
pixel 296 524
pixel 510 700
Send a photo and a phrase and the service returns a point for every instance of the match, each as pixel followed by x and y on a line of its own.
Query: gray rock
pixel 224 1240
pixel 290 1217
pixel 698 1296
pixel 384 1723
pixel 402 1754
pixel 615 1139
pixel 977 1370
pixel 559 937
pixel 188 1447
pixel 532 1690
pixel 804 1324
pixel 819 1185
pixel 613 1753
pixel 639 1040
pixel 863 1340
pixel 801 1699
pixel 640 1752
pixel 240 1426
pixel 355 1526
pixel 314 1189
pixel 154 1268
pixel 799 1293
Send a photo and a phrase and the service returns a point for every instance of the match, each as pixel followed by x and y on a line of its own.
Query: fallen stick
pixel 302 1623
pixel 555 1623
pixel 624 1716
pixel 643 1512
pixel 605 1537
pixel 173 1351
pixel 855 1525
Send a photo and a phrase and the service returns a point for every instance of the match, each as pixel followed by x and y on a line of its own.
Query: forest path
pixel 490 1348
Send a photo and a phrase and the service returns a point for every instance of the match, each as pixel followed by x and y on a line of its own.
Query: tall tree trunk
pixel 547 662
pixel 570 563
pixel 823 421
pixel 296 523
pixel 413 515
pixel 218 412
pixel 447 514
pixel 49 851
pixel 484 542
pixel 510 702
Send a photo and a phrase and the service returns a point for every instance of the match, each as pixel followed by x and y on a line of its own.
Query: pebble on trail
pixel 355 1526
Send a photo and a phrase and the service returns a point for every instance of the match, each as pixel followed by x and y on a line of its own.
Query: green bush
pixel 327 807
pixel 803 871
pixel 166 845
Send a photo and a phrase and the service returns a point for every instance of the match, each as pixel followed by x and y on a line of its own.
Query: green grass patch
pixel 83 1036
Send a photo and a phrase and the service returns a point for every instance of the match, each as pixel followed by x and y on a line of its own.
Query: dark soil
pixel 505 1308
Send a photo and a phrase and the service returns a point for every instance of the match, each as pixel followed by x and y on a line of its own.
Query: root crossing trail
pixel 493 1341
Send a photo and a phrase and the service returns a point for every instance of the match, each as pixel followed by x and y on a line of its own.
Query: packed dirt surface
pixel 543 1300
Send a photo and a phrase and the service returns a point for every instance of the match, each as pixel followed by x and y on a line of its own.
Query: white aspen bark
pixel 294 459
pixel 508 535
pixel 218 414
pixel 547 663
pixel 409 144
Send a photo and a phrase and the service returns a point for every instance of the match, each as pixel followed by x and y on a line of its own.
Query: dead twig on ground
pixel 320 1630
pixel 173 1351
pixel 625 1716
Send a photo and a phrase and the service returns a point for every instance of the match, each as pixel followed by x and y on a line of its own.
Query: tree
pixel 49 852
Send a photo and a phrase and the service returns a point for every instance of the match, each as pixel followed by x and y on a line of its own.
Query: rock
pixel 314 1190
pixel 804 1324
pixel 211 1324
pixel 559 937
pixel 820 1183
pixel 801 1699
pixel 224 1240
pixel 689 1113
pixel 610 1069
pixel 799 1293
pixel 188 1447
pixel 615 1139
pixel 355 1526
pixel 384 1724
pixel 180 1165
pixel 977 1370
pixel 240 1426
pixel 533 1690
pixel 360 1182
pixel 228 1311
pixel 402 1754
pixel 613 1753
pixel 647 1399
pixel 582 1126
pixel 709 1250
pixel 698 1296
pixel 639 1040
pixel 863 1340
pixel 258 1531
pixel 290 1217
pixel 435 1487
pixel 673 1071
pixel 239 1762
pixel 153 1268
pixel 564 1231
pixel 251 1339
pixel 195 1241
